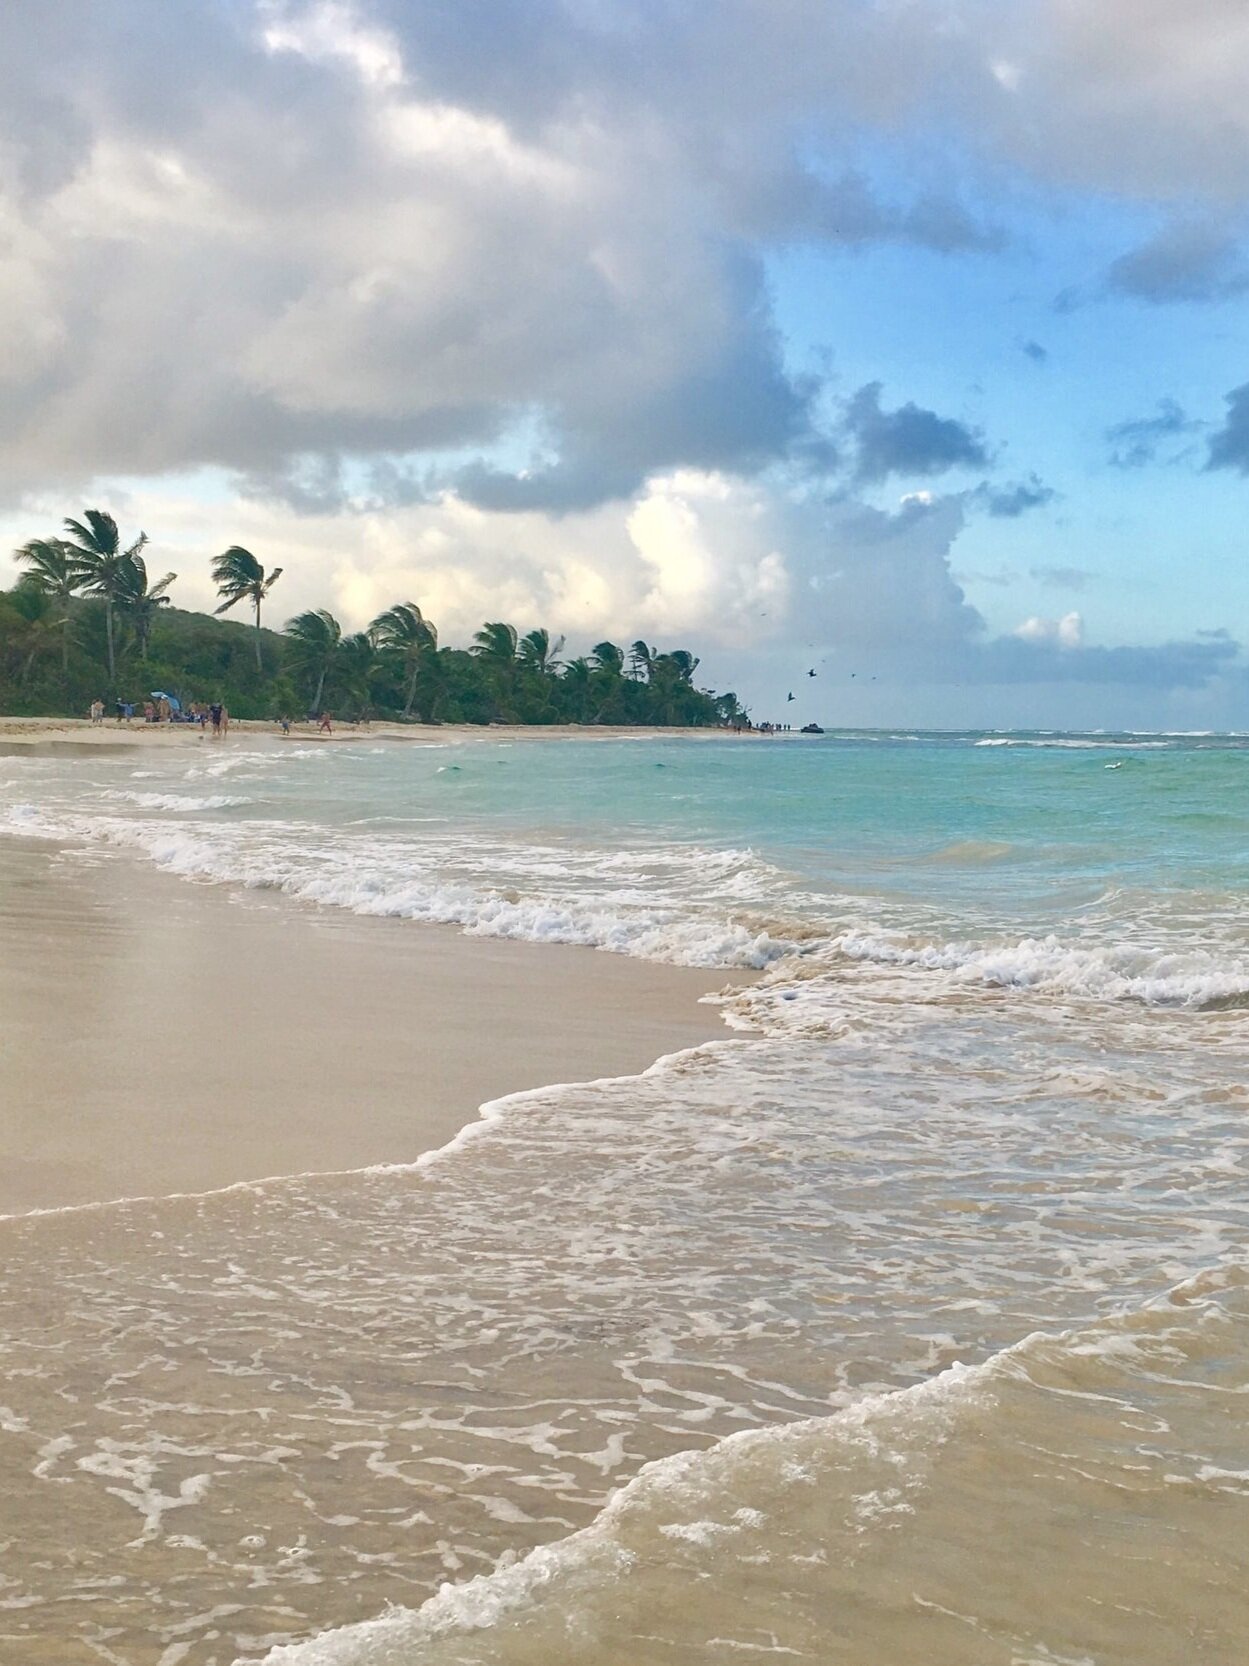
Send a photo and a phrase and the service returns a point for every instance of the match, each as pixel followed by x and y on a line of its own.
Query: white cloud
pixel 1067 632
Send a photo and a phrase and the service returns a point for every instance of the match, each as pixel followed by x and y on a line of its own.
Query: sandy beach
pixel 51 736
pixel 162 1037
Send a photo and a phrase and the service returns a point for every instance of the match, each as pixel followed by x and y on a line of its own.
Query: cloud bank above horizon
pixel 748 326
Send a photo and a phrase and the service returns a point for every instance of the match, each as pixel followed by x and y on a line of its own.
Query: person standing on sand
pixel 325 727
pixel 97 711
pixel 217 713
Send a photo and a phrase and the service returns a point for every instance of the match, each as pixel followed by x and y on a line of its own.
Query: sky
pixel 902 341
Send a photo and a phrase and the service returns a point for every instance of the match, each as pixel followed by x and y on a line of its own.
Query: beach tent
pixel 174 703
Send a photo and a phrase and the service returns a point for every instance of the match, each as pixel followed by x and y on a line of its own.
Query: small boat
pixel 810 729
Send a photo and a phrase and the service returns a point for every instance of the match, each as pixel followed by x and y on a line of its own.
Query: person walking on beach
pixel 325 727
pixel 97 711
pixel 217 714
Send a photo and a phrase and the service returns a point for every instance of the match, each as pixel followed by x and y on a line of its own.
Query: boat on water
pixel 810 729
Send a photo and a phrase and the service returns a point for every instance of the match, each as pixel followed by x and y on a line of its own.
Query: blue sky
pixel 852 331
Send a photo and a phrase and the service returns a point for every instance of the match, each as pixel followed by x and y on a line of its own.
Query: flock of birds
pixel 814 673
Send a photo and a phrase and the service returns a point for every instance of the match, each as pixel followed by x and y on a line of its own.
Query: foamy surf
pixel 996 1091
pixel 871 1534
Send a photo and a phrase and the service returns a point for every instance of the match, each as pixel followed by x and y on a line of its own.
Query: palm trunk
pixel 108 631
pixel 316 699
pixel 416 670
pixel 65 646
pixel 259 662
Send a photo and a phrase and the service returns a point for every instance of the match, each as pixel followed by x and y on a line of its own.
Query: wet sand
pixel 162 1037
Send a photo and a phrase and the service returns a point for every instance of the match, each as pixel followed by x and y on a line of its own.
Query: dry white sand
pixel 158 1036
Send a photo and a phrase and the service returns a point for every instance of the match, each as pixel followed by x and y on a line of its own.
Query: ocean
pixel 908 1323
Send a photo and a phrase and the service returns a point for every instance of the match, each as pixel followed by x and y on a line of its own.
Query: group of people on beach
pixel 213 714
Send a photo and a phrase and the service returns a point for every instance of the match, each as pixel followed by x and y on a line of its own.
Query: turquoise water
pixel 936 1264
pixel 1127 852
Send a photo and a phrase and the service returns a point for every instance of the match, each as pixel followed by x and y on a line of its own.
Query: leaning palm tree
pixel 238 575
pixel 495 643
pixel 537 652
pixel 405 634
pixel 315 640
pixel 141 601
pixel 102 565
pixel 607 658
pixel 608 661
pixel 577 686
pixel 495 646
pixel 52 568
pixel 641 661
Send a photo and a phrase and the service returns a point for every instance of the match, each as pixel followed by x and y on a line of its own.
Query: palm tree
pixel 672 677
pixel 495 646
pixel 641 661
pixel 406 634
pixel 607 658
pixel 316 640
pixel 102 565
pixel 537 652
pixel 34 607
pixel 495 643
pixel 237 574
pixel 140 601
pixel 357 666
pixel 577 687
pixel 53 569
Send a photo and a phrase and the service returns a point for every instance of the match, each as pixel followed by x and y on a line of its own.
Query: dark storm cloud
pixel 1143 440
pixel 909 440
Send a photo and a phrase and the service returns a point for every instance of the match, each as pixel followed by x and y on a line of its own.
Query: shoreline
pixel 43 736
pixel 172 1038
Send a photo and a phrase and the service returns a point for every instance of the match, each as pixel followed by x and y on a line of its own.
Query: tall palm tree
pixel 52 567
pixel 102 565
pixel 315 641
pixel 407 635
pixel 238 575
pixel 141 601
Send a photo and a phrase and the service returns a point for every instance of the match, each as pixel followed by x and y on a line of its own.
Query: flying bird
pixel 811 672
pixel 788 697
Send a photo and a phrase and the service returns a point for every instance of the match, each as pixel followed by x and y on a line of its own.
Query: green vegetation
pixel 84 622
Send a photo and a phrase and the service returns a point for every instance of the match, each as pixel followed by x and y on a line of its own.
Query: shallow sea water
pixel 912 1329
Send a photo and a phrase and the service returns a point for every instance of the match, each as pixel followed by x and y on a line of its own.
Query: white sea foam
pixel 1188 977
pixel 600 1553
pixel 625 912
pixel 180 803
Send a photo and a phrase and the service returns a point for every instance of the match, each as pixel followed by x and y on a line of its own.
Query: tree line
pixel 87 620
